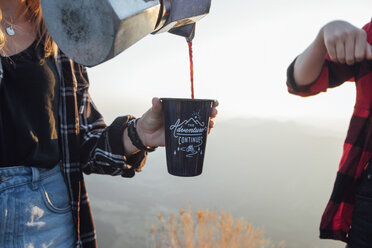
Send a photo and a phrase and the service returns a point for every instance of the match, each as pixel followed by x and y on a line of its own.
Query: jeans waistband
pixel 19 175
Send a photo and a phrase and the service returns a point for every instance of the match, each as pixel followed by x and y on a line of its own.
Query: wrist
pixel 129 148
pixel 319 42
pixel 141 134
pixel 135 135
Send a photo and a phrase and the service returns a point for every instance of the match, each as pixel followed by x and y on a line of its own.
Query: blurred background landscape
pixel 272 157
pixel 277 175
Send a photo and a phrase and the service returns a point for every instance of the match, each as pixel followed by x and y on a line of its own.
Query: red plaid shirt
pixel 336 220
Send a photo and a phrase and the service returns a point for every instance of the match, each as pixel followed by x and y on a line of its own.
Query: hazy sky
pixel 241 52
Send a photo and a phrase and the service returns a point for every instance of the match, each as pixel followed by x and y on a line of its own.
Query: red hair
pixel 32 12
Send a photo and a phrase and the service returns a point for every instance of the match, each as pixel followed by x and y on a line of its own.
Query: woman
pixel 51 132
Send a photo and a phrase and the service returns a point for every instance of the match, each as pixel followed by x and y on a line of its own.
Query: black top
pixel 29 96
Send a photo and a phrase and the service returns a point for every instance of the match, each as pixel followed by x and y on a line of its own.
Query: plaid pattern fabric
pixel 88 145
pixel 357 152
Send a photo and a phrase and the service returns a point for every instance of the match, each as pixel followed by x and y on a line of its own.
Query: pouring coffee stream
pixel 191 69
pixel 94 31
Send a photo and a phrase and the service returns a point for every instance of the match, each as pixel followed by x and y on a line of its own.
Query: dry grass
pixel 205 229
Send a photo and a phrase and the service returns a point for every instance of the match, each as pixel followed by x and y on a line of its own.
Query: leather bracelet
pixel 135 139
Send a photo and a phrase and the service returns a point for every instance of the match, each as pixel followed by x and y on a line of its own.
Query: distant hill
pixel 275 174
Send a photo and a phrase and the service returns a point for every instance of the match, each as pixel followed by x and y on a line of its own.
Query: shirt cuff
pixel 313 88
pixel 115 135
pixel 291 83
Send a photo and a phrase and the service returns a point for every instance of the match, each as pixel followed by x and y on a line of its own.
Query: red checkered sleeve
pixel 319 85
pixel 331 75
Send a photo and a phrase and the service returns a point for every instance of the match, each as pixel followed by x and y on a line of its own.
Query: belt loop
pixel 35 178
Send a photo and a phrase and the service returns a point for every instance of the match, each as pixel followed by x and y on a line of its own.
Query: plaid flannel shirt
pixel 87 145
pixel 357 151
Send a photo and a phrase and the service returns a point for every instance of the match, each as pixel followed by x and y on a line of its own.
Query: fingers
pixel 331 49
pixel 361 47
pixel 346 43
pixel 350 50
pixel 211 125
pixel 153 118
pixel 156 105
pixel 214 113
pixel 369 52
pixel 340 51
pixel 215 104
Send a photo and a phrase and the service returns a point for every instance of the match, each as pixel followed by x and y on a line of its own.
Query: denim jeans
pixel 360 235
pixel 34 209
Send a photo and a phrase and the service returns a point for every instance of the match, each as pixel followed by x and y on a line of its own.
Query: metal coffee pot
pixel 94 31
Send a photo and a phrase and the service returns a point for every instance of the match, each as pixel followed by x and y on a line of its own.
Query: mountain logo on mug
pixel 189 135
